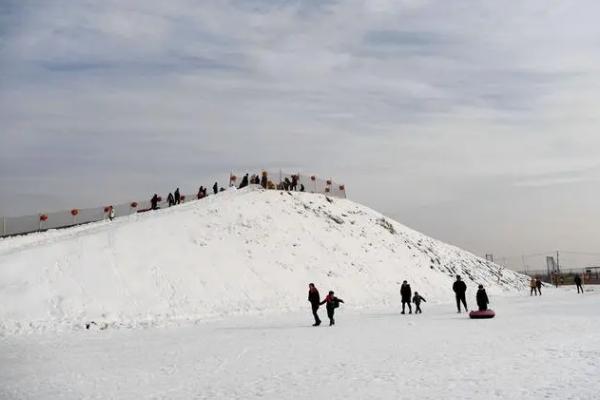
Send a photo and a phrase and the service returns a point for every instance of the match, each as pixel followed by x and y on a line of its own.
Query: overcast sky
pixel 475 122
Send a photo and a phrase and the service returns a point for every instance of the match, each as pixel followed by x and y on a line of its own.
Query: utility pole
pixel 557 263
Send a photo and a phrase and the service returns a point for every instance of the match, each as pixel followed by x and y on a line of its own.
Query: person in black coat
pixel 577 280
pixel 406 293
pixel 417 299
pixel 314 299
pixel 244 182
pixel 170 199
pixel 332 303
pixel 482 299
pixel 460 290
pixel 215 188
pixel 177 196
pixel 154 202
pixel 538 285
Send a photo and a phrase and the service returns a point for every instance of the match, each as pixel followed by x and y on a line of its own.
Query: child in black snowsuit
pixel 417 299
pixel 482 299
pixel 332 303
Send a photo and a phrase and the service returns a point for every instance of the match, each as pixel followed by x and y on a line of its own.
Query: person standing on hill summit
pixel 315 299
pixel 405 293
pixel 460 289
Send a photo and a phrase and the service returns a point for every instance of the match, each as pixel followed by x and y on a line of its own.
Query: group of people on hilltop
pixel 459 287
pixel 291 183
pixel 175 197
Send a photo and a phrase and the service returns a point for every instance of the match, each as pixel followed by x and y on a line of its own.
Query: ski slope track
pixel 241 252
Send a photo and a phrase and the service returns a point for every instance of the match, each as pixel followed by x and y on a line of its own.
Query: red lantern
pixel 159 198
pixel 43 217
pixel 313 178
pixel 107 209
pixel 74 212
pixel 233 178
pixel 329 181
pixel 133 205
pixel 182 197
pixel 342 187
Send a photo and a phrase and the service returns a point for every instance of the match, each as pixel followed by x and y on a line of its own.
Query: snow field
pixel 544 347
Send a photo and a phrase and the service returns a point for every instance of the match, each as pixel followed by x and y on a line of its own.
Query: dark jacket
pixel 417 299
pixel 314 297
pixel 215 188
pixel 538 283
pixel 460 288
pixel 332 301
pixel 482 299
pixel 177 195
pixel 405 292
pixel 577 280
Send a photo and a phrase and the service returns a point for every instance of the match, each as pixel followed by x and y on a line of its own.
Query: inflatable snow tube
pixel 482 314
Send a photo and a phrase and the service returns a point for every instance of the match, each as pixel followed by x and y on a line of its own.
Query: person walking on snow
pixel 417 299
pixel 315 299
pixel 460 290
pixel 577 280
pixel 532 287
pixel 482 299
pixel 406 293
pixel 332 303
pixel 539 284
pixel 177 196
pixel 215 188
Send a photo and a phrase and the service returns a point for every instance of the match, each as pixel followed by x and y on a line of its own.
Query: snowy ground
pixel 536 348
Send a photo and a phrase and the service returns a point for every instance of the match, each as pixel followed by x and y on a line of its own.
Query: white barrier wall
pixel 62 219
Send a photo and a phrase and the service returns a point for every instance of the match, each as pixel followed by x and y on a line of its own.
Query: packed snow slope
pixel 238 252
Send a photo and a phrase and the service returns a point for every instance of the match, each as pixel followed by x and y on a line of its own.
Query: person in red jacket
pixel 315 299
pixel 332 303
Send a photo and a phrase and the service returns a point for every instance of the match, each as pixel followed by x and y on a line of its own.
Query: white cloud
pixel 431 99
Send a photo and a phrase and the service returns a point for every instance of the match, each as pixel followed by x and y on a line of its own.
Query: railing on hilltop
pixel 10 226
pixel 305 183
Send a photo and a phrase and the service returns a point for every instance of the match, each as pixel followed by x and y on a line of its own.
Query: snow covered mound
pixel 238 252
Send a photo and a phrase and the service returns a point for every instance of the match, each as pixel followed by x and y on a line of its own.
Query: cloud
pixel 432 100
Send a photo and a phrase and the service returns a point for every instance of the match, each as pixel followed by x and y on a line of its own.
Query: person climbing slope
pixel 315 299
pixel 332 303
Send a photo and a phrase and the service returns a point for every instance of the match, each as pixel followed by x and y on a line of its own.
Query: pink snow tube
pixel 482 314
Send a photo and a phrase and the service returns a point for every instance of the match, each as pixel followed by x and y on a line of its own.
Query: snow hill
pixel 241 252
